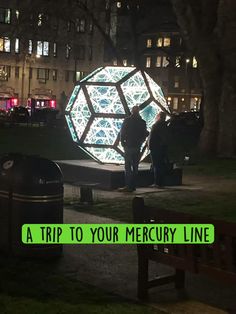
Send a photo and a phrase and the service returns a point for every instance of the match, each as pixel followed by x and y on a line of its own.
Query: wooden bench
pixel 86 190
pixel 217 260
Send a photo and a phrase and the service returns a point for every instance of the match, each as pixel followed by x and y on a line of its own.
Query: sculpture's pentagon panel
pixel 100 102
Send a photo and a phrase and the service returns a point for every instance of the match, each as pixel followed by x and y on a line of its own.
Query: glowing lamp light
pixel 100 102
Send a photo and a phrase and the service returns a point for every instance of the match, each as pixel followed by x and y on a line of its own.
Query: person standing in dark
pixel 158 149
pixel 132 135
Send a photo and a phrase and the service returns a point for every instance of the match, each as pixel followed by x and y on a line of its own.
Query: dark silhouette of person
pixel 158 149
pixel 132 135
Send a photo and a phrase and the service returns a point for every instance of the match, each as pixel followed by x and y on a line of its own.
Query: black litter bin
pixel 31 192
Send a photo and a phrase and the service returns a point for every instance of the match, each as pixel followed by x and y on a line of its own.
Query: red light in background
pixel 52 103
pixel 14 101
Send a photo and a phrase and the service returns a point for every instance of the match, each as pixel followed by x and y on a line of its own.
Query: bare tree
pixel 208 27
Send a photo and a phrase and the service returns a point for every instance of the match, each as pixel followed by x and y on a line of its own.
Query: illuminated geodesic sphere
pixel 100 102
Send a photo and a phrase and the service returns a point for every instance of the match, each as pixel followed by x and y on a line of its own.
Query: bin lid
pixel 17 169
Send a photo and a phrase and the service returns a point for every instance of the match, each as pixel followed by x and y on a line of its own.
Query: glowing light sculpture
pixel 100 102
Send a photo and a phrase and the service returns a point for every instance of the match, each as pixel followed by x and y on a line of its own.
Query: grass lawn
pixel 36 288
pixel 217 202
pixel 214 205
pixel 53 143
pixel 222 168
pixel 56 143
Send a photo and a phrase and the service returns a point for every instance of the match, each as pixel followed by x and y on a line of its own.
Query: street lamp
pixel 31 59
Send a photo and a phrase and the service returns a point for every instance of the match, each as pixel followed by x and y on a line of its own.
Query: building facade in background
pixel 44 64
pixel 148 36
pixel 41 61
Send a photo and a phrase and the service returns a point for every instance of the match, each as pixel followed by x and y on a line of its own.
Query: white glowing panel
pixel 80 114
pixel 105 99
pixel 135 90
pixel 103 131
pixel 99 104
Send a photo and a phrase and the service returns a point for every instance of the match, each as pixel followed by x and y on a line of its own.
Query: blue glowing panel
pixel 149 114
pixel 135 90
pixel 105 99
pixel 111 74
pixel 80 113
pixel 103 131
pixel 71 128
pixel 72 98
pixel 99 104
pixel 107 155
pixel 157 92
pixel 87 77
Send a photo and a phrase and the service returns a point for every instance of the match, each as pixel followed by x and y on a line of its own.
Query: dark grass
pixel 217 205
pixel 115 208
pixel 56 143
pixel 49 142
pixel 222 168
pixel 37 287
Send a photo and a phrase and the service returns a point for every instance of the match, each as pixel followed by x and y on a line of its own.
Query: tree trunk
pixel 209 68
pixel 227 118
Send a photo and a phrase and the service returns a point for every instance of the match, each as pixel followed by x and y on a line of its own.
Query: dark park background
pixel 208 28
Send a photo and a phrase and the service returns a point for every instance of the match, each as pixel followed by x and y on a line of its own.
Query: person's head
pixel 135 110
pixel 161 116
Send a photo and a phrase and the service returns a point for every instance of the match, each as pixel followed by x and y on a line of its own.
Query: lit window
pixel 175 103
pixel 30 48
pixel 40 17
pixel 5 16
pixel 17 14
pixel 193 103
pixel 4 73
pixel 42 48
pixel 118 4
pixel 148 62
pixel 194 62
pixel 165 62
pixel 178 61
pixel 5 44
pixel 166 41
pixel 159 42
pixel 149 43
pixel 168 101
pixel 17 45
pixel 158 62
pixel 125 62
pixel 54 49
pixel 80 25
pixel 79 75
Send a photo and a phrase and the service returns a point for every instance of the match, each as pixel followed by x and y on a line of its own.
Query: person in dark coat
pixel 158 149
pixel 133 134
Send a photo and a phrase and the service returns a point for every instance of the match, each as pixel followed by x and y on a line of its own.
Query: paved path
pixel 113 268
